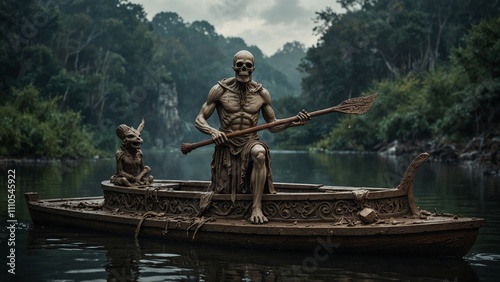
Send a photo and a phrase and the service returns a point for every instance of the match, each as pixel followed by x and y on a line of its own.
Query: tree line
pixel 74 70
pixel 434 65
pixel 88 66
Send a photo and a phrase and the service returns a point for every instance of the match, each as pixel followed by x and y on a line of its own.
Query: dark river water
pixel 44 253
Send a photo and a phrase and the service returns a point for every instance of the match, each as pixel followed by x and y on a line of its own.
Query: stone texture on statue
pixel 242 164
pixel 130 168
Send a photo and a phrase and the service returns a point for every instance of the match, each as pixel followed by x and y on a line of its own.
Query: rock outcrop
pixel 483 151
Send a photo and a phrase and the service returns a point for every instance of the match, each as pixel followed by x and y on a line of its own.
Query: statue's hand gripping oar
pixel 356 106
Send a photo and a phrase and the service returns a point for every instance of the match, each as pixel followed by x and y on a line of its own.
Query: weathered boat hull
pixel 439 236
pixel 323 219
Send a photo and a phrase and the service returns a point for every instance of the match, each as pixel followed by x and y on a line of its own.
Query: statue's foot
pixel 258 217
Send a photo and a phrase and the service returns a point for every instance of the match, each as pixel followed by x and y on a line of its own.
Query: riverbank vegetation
pixel 434 65
pixel 35 127
pixel 103 63
pixel 73 71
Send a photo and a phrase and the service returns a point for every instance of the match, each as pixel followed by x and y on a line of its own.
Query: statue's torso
pixel 237 112
pixel 131 163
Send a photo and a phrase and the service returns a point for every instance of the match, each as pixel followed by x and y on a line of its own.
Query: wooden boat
pixel 319 218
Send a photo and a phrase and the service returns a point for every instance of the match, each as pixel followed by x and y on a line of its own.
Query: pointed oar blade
pixel 357 106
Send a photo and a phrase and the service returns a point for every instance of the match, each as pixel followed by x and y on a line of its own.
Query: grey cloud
pixel 286 12
pixel 223 10
pixel 267 23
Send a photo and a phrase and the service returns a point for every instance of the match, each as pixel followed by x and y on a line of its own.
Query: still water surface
pixel 55 254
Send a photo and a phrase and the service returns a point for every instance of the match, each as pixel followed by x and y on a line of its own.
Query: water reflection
pixel 124 259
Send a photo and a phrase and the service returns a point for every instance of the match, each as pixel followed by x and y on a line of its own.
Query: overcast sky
pixel 267 24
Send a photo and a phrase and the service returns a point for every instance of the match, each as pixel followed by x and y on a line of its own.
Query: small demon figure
pixel 130 169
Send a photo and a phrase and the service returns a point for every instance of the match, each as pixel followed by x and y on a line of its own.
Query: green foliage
pixel 198 57
pixel 34 127
pixel 476 104
pixel 106 62
pixel 354 134
pixel 409 108
pixel 406 51
pixel 478 53
pixel 296 137
pixel 397 113
pixel 287 60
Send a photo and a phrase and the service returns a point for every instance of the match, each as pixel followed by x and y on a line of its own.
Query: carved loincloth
pixel 232 165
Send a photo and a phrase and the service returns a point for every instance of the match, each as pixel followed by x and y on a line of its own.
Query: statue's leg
pixel 258 181
pixel 122 181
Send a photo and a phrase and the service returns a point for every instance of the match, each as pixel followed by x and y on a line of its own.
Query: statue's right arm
pixel 206 111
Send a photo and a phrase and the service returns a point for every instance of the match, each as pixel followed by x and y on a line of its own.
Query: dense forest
pixel 434 64
pixel 74 70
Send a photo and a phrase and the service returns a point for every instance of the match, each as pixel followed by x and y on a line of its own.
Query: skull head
pixel 243 66
pixel 131 138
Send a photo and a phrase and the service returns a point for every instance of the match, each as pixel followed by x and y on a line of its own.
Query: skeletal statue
pixel 130 169
pixel 241 164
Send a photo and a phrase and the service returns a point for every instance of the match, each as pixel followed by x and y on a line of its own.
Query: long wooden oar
pixel 356 106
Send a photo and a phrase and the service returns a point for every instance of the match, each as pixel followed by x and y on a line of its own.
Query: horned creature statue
pixel 130 169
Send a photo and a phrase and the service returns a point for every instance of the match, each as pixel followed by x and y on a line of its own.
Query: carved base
pixel 326 204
